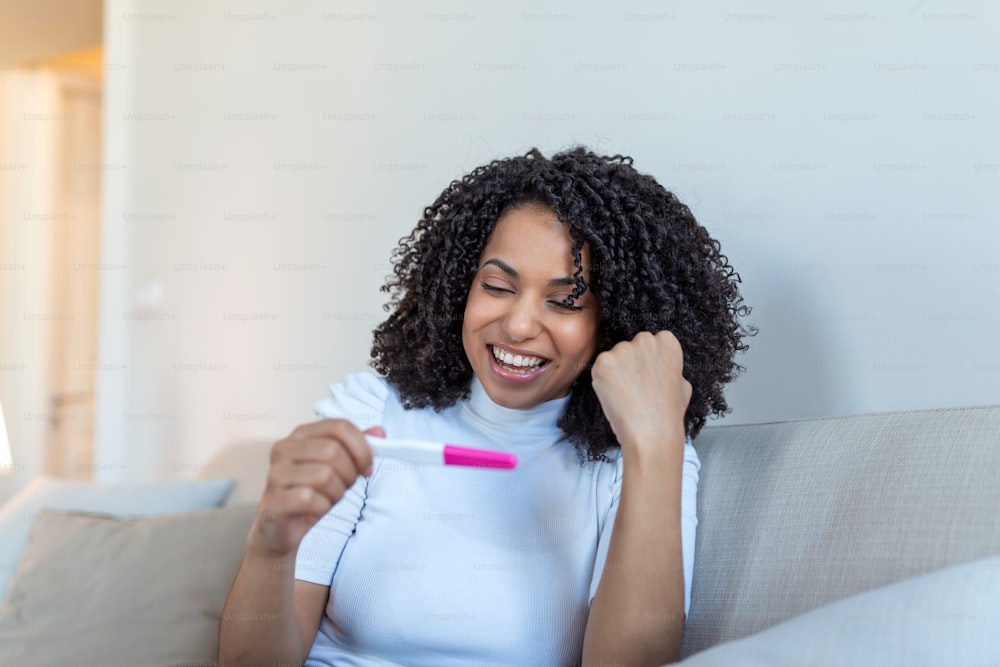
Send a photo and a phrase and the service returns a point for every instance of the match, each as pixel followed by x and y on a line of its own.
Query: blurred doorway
pixel 50 139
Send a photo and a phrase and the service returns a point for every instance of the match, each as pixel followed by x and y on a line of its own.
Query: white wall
pixel 264 158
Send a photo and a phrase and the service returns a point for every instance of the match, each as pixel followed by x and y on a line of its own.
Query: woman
pixel 571 311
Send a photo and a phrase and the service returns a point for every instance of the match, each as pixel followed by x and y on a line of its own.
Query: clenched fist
pixel 642 390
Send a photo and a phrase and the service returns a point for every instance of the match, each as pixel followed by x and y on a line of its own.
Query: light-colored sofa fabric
pixel 945 617
pixel 794 515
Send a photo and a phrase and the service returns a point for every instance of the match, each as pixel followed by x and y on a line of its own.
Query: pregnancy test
pixel 424 451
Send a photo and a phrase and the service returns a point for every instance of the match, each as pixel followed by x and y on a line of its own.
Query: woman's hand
pixel 642 389
pixel 310 470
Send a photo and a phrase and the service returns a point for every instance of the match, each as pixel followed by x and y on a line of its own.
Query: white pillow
pixel 946 617
pixel 127 500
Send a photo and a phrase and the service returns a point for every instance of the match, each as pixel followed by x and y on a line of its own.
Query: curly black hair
pixel 653 267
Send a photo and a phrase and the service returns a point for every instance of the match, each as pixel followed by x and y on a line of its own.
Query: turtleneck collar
pixel 538 420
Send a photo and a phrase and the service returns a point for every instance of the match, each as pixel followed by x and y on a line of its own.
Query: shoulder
pixel 360 399
pixel 609 471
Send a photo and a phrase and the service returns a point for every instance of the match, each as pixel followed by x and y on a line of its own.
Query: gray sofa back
pixel 793 515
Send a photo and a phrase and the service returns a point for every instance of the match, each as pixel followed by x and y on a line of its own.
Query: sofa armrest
pixel 794 515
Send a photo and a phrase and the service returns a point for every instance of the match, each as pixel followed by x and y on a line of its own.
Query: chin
pixel 517 398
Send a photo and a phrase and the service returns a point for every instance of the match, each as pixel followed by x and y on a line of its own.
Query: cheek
pixel 473 311
pixel 580 338
pixel 467 321
pixel 478 314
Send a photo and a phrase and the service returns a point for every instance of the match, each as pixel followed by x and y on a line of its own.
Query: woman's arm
pixel 270 618
pixel 637 615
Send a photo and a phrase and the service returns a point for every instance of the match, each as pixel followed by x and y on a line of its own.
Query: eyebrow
pixel 512 272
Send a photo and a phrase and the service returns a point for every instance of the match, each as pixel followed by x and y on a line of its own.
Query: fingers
pixel 646 349
pixel 324 440
pixel 329 479
pixel 310 471
pixel 326 456
pixel 664 340
pixel 637 379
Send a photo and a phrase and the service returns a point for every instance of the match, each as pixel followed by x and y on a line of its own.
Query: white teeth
pixel 521 361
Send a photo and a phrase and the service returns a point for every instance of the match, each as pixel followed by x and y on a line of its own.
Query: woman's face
pixel 524 346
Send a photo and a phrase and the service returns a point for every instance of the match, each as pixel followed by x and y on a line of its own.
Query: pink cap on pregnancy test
pixel 423 451
pixel 478 458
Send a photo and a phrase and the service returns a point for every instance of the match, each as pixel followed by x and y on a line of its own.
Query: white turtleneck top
pixel 443 565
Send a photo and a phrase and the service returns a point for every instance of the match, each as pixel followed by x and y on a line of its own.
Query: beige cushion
pixel 123 500
pixel 794 515
pixel 93 589
pixel 947 617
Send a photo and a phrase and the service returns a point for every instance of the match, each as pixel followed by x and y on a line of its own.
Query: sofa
pixel 860 540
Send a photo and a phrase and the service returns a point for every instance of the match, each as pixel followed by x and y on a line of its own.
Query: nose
pixel 522 320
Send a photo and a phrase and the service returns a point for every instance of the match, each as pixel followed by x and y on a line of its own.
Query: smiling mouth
pixel 517 363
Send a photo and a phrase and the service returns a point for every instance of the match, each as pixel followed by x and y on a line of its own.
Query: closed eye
pixel 495 289
pixel 562 306
pixel 559 305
